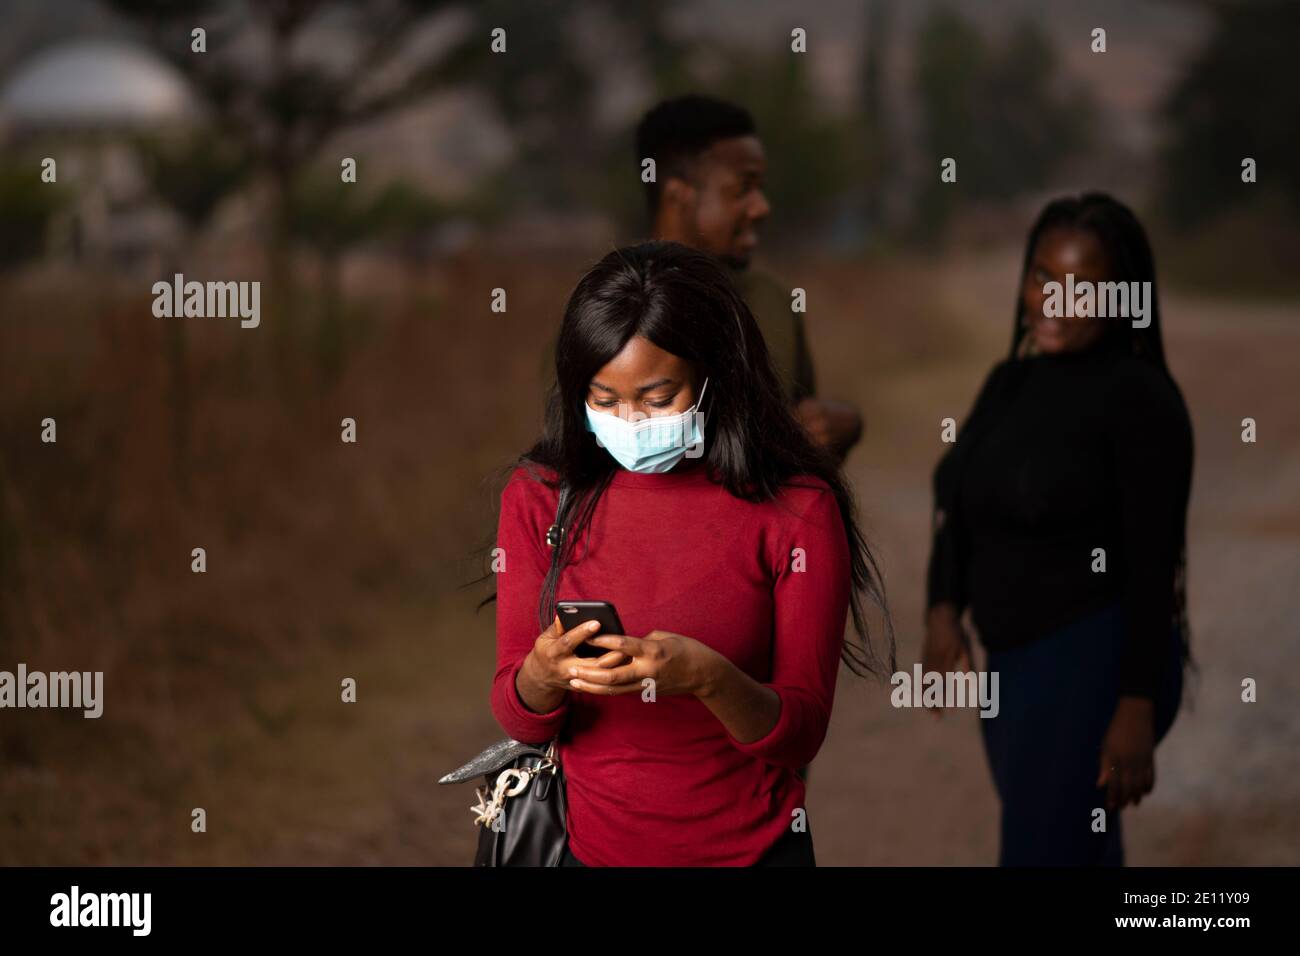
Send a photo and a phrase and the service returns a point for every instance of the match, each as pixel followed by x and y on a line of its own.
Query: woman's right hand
pixel 544 678
pixel 947 646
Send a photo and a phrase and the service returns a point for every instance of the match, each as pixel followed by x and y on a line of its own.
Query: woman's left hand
pixel 1128 768
pixel 676 664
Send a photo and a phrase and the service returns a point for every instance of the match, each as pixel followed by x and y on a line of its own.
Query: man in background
pixel 708 194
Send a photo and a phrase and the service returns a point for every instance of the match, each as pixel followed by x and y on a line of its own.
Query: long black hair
pixel 682 301
pixel 1129 259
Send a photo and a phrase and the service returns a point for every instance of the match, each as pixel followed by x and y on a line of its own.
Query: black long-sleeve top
pixel 1063 454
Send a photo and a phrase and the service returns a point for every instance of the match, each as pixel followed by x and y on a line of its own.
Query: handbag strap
pixel 494 759
pixel 555 533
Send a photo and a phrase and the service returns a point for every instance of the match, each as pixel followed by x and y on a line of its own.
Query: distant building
pixel 80 102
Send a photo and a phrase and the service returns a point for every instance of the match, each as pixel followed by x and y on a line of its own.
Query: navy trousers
pixel 1057 696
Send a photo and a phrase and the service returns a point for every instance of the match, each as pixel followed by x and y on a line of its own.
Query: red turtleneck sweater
pixel 765 585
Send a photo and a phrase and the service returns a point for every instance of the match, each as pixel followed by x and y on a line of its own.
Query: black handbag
pixel 521 805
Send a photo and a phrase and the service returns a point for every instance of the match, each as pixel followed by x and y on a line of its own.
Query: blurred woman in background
pixel 1060 519
pixel 731 552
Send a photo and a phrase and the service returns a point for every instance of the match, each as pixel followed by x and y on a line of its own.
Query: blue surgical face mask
pixel 651 445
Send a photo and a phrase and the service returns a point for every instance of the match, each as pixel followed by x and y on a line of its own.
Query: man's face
pixel 728 201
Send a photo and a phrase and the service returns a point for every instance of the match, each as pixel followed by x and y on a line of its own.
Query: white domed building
pixel 79 103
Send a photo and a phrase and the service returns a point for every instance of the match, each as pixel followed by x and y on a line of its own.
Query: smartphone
pixel 573 613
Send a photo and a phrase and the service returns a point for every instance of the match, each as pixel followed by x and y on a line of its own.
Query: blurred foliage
pixel 282 113
pixel 877 148
pixel 26 205
pixel 331 216
pixel 1239 98
pixel 546 90
pixel 998 110
pixel 543 91
pixel 193 172
pixel 1001 107
pixel 663 52
pixel 810 156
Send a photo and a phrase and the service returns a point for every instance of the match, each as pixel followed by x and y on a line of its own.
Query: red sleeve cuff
pixel 779 746
pixel 521 723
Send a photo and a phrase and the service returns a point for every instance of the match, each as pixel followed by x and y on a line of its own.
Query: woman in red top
pixel 727 543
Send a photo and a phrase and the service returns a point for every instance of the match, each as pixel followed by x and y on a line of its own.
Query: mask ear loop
pixel 704 418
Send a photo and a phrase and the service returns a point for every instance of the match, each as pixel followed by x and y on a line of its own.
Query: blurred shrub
pixel 998 110
pixel 193 172
pixel 1239 98
pixel 26 205
pixel 810 156
pixel 330 217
